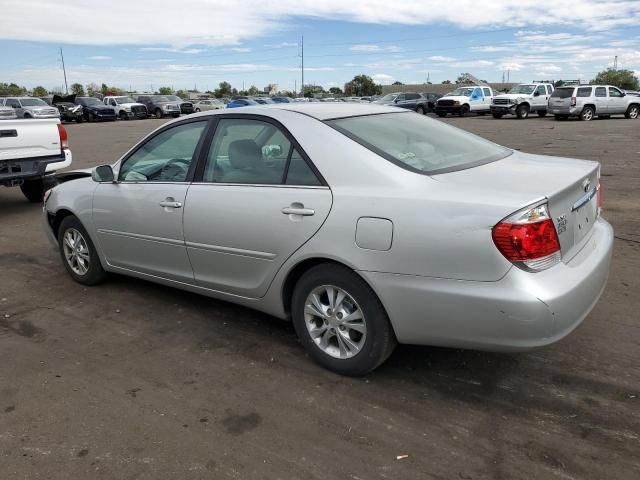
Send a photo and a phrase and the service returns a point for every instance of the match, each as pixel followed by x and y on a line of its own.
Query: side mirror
pixel 102 173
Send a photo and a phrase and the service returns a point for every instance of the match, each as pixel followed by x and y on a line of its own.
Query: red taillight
pixel 528 238
pixel 64 138
pixel 573 101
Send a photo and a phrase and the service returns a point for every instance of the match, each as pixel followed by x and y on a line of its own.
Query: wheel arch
pixel 55 219
pixel 589 105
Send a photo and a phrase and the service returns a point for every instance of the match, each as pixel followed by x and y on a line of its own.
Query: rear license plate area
pixel 584 218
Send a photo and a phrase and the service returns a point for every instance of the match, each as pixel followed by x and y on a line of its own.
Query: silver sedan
pixel 365 225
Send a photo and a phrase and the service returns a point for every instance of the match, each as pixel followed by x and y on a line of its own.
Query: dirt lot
pixel 131 380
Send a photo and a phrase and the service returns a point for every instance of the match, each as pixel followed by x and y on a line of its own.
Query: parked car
pixel 587 101
pixel 241 102
pixel 7 113
pixel 281 99
pixel 432 98
pixel 263 100
pixel 410 100
pixel 186 106
pixel 205 105
pixel 522 100
pixel 30 153
pixel 31 107
pixel 94 110
pixel 126 107
pixel 160 105
pixel 366 225
pixel 462 100
pixel 68 109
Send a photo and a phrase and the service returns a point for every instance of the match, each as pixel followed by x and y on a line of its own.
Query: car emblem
pixel 586 184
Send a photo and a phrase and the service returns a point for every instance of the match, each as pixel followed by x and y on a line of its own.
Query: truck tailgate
pixel 29 139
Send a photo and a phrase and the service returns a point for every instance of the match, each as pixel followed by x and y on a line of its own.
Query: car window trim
pixel 194 159
pixel 204 153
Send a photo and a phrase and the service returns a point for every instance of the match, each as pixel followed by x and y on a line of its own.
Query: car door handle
pixel 305 212
pixel 167 204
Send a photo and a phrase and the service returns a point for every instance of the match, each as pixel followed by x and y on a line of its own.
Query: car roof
pixel 329 110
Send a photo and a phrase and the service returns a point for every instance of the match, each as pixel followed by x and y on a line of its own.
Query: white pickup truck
pixel 30 152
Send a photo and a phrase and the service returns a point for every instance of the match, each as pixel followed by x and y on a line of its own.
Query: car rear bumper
pixel 26 168
pixel 564 110
pixel 521 311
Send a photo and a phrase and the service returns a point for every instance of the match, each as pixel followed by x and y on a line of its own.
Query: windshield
pixel 174 98
pixel 523 89
pixel 121 100
pixel 90 101
pixel 32 102
pixel 389 98
pixel 461 92
pixel 419 143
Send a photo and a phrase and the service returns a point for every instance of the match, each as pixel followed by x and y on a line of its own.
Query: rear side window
pixel 562 92
pixel 417 143
pixel 584 92
pixel 601 92
pixel 487 92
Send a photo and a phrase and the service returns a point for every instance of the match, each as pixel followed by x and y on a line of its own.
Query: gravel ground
pixel 132 380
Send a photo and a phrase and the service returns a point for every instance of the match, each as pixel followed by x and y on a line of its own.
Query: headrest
pixel 244 154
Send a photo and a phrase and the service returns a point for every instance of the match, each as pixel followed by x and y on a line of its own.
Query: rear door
pixel 257 199
pixel 601 100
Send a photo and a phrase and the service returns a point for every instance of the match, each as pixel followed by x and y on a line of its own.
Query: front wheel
pixel 91 117
pixel 123 116
pixel 33 190
pixel 340 321
pixel 158 113
pixel 522 111
pixel 420 110
pixel 464 110
pixel 78 253
pixel 587 114
pixel 632 112
pixel 197 110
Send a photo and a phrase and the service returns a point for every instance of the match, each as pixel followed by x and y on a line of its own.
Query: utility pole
pixel 64 70
pixel 508 75
pixel 302 55
pixel 615 63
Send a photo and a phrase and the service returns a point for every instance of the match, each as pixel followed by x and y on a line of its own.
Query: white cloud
pixel 439 58
pixel 99 57
pixel 281 45
pixel 241 49
pixel 374 48
pixel 383 79
pixel 172 50
pixel 491 49
pixel 258 21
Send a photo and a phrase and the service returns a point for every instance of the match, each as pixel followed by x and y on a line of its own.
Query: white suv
pixel 522 100
pixel 587 101
pixel 126 107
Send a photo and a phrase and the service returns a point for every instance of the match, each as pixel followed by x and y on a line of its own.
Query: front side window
pixel 523 89
pixel 601 92
pixel 460 92
pixel 11 102
pixel 255 152
pixel 614 92
pixel 541 90
pixel 487 92
pixel 166 157
pixel 419 143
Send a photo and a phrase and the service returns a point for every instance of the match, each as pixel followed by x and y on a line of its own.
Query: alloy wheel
pixel 76 251
pixel 335 322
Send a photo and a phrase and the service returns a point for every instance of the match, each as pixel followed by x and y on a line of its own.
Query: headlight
pixel 47 194
pixel 456 102
pixel 127 109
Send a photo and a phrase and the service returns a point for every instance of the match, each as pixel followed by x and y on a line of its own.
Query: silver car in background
pixel 31 107
pixel 7 113
pixel 587 101
pixel 206 105
pixel 365 225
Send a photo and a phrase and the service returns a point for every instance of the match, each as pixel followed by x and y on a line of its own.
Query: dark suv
pixel 94 110
pixel 419 103
pixel 160 105
pixel 186 107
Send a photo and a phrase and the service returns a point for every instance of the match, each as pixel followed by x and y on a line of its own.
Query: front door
pixel 138 219
pixel 540 98
pixel 617 102
pixel 256 201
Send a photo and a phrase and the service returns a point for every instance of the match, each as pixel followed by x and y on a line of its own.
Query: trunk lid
pixel 569 185
pixel 20 139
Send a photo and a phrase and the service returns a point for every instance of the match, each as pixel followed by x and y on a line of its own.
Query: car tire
pixel 420 110
pixel 348 351
pixel 497 115
pixel 522 111
pixel 79 119
pixel 91 117
pixel 632 112
pixel 441 114
pixel 82 262
pixel 123 115
pixel 197 110
pixel 587 114
pixel 158 113
pixel 26 115
pixel 542 113
pixel 464 110
pixel 33 190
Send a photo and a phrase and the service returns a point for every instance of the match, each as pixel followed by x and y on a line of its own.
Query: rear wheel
pixel 33 190
pixel 497 115
pixel 420 110
pixel 587 114
pixel 632 112
pixel 78 253
pixel 464 110
pixel 340 320
pixel 522 111
pixel 542 113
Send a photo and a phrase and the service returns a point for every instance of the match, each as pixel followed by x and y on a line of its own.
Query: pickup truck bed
pixel 30 151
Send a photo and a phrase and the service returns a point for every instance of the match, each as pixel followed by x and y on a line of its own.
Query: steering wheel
pixel 175 169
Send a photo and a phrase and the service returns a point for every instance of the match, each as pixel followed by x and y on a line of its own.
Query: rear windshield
pixel 562 92
pixel 418 143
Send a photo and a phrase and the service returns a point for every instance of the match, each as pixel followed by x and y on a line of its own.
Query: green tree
pixel 397 82
pixel 253 90
pixel 165 91
pixel 104 89
pixel 92 89
pixel 362 85
pixel 223 90
pixel 624 79
pixel 183 94
pixel 39 91
pixel 335 91
pixel 77 89
pixel 446 82
pixel 11 89
pixel 311 91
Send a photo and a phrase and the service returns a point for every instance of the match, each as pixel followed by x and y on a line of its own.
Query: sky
pixel 143 44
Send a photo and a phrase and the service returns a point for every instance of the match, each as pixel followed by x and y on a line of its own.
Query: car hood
pixel 513 96
pixel 458 98
pixel 63 99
